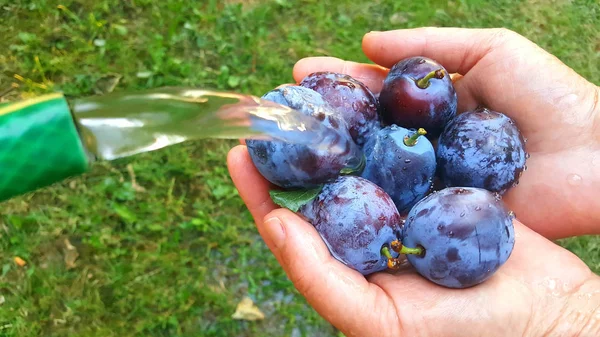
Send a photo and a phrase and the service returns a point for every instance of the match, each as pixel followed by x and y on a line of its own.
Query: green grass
pixel 176 258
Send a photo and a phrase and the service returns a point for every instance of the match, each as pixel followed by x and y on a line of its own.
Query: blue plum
pixel 466 235
pixel 403 168
pixel 481 148
pixel 295 165
pixel 418 93
pixel 355 218
pixel 353 100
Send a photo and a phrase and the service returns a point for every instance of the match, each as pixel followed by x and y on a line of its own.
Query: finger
pixel 529 246
pixel 252 186
pixel 457 49
pixel 466 95
pixel 466 98
pixel 339 294
pixel 369 74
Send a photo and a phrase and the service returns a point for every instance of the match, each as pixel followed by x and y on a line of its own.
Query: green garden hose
pixel 39 145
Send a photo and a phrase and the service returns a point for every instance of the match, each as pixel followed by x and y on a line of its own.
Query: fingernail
pixel 274 232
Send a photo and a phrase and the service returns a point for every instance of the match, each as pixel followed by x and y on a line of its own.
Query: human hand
pixel 556 109
pixel 542 290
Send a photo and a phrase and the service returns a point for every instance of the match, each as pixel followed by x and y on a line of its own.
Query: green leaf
pixel 5 269
pixel 233 81
pixel 294 199
pixel 125 213
pixel 120 29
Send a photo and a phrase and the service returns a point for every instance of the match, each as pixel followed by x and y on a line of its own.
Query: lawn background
pixel 172 252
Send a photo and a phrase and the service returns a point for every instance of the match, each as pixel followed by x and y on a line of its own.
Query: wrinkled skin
pixel 404 172
pixel 296 165
pixel 352 99
pixel 404 103
pixel 481 148
pixel 467 234
pixel 355 218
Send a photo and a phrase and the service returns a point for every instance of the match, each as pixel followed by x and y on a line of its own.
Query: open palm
pixel 556 109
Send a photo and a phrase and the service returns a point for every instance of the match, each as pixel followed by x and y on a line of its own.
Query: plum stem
pixel 423 82
pixel 385 251
pixel 412 140
pixel 356 169
pixel 393 262
pixel 399 248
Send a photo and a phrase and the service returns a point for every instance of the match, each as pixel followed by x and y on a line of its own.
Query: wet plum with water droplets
pixel 355 218
pixel 481 148
pixel 418 93
pixel 352 99
pixel 291 165
pixel 403 168
pixel 467 234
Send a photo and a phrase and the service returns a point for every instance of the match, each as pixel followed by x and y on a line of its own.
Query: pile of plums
pixel 429 190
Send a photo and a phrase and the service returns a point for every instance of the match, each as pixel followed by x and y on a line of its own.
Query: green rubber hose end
pixel 39 145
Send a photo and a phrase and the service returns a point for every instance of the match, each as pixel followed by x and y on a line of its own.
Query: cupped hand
pixel 542 290
pixel 557 110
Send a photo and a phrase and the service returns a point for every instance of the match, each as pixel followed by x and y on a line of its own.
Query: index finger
pixel 457 49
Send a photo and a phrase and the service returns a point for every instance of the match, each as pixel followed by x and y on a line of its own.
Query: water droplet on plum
pixel 478 208
pixel 462 214
pixel 407 161
pixel 450 234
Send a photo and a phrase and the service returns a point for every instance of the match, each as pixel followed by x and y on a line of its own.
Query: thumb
pixel 339 294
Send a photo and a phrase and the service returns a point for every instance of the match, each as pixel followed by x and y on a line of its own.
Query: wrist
pixel 580 314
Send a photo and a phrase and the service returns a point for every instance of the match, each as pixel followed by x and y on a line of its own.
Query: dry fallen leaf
pixel 246 310
pixel 134 183
pixel 107 83
pixel 20 262
pixel 71 255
